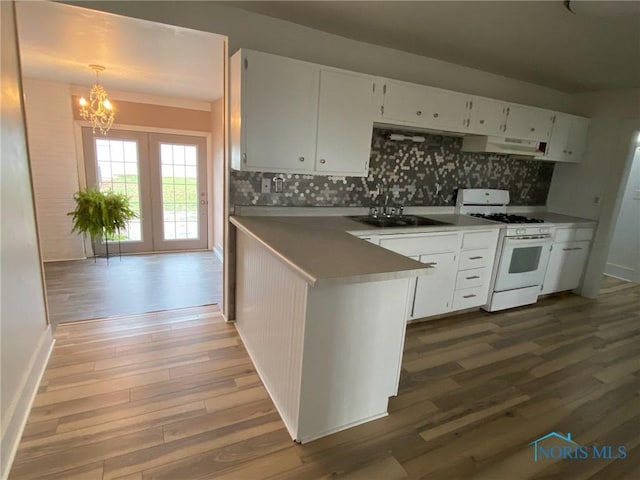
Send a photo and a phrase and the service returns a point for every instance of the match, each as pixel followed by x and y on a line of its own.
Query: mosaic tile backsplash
pixel 409 172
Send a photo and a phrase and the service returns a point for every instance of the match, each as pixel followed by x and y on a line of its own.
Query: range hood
pixel 501 145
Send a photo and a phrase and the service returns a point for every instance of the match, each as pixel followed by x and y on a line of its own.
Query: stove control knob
pixel 544 230
pixel 520 231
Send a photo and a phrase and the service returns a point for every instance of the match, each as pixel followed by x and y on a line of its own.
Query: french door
pixel 164 177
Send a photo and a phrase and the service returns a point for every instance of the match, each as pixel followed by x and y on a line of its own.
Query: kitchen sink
pixel 397 221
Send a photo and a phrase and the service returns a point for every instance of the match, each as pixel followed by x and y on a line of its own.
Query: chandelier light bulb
pixel 98 110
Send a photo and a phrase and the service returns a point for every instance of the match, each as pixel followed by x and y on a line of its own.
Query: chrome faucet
pixel 384 208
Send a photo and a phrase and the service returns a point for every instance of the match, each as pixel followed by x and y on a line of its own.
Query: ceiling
pixel 58 42
pixel 540 42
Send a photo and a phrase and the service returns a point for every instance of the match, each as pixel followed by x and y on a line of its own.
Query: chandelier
pixel 98 110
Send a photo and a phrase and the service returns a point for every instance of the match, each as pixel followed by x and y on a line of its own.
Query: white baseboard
pixel 218 251
pixel 622 272
pixel 21 407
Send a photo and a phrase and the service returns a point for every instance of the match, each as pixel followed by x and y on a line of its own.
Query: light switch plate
pixel 265 186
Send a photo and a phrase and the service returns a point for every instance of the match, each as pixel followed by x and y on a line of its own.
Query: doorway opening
pixel 165 152
pixel 623 260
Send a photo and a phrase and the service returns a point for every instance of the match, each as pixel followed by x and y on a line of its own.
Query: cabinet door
pixel 447 110
pixel 345 124
pixel 434 291
pixel 577 141
pixel 528 123
pixel 404 103
pixel 280 113
pixel 487 117
pixel 566 264
pixel 557 147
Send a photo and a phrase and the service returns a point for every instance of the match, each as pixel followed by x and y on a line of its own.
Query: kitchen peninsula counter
pixel 324 248
pixel 322 315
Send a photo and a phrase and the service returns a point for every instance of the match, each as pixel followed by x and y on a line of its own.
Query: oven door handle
pixel 514 241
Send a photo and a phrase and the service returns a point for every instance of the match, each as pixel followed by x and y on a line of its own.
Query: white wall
pixel 624 252
pixel 25 337
pixel 54 163
pixel 615 119
pixel 259 32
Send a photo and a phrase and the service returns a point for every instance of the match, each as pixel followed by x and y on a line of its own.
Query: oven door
pixel 523 262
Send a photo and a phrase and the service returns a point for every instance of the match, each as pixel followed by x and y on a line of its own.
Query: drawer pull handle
pixel 571 249
pixel 468 296
pixel 472 277
pixel 475 258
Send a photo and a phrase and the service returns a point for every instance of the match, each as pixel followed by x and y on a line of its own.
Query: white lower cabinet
pixel 566 265
pixel 433 292
pixel 568 259
pixel 462 262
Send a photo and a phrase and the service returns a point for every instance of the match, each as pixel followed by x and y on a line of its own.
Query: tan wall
pixel 156 116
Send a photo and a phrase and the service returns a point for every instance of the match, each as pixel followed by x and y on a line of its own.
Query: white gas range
pixel 523 248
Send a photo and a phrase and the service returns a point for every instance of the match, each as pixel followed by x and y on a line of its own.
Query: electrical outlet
pixel 265 186
pixel 596 200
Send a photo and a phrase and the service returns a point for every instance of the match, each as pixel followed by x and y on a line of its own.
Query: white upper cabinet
pixel 289 116
pixel 279 112
pixel 487 116
pixel 577 142
pixel 568 138
pixel 557 146
pixel 425 107
pixel 404 103
pixel 447 110
pixel 345 123
pixel 528 123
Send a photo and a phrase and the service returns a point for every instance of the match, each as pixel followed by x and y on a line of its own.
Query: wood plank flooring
pixel 132 284
pixel 174 396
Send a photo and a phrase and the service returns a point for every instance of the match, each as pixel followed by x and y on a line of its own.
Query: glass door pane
pixel 179 191
pixel 119 163
pixel 118 171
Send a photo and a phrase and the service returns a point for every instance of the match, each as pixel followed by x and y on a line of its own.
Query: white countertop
pixel 324 249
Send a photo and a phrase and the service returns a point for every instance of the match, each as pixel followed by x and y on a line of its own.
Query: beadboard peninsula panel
pixel 270 310
pixel 353 343
pixel 410 172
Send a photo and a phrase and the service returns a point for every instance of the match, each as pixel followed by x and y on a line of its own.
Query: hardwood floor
pixel 133 284
pixel 174 396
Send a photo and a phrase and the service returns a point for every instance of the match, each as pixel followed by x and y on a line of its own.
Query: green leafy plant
pixel 101 213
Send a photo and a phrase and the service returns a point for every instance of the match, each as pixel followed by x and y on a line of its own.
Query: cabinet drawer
pixel 475 240
pixel 564 235
pixel 422 245
pixel 583 234
pixel 469 297
pixel 475 259
pixel 472 278
pixel 573 235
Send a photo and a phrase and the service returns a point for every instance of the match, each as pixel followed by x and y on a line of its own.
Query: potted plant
pixel 101 214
